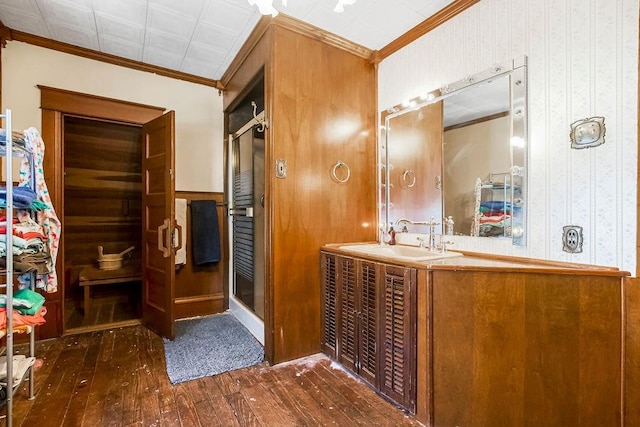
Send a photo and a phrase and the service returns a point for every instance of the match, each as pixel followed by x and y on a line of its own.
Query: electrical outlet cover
pixel 572 239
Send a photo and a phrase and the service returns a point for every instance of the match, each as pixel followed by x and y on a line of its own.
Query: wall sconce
pixel 587 133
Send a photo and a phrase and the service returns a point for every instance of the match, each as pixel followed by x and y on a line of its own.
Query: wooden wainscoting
pixel 202 290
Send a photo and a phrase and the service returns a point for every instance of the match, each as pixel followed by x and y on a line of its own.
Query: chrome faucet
pixel 404 227
pixel 432 233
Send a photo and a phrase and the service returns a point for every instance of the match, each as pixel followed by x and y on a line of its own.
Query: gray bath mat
pixel 208 346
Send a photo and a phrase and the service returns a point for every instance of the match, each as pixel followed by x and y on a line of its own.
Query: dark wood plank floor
pixel 118 378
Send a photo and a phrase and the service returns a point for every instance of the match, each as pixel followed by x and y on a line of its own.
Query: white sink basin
pixel 410 253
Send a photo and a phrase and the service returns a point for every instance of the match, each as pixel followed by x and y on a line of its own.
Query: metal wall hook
pixel 262 122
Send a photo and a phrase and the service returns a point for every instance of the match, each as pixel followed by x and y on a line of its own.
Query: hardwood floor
pixel 118 378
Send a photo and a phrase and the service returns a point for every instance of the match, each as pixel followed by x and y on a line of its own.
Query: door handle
pixel 177 228
pixel 163 245
pixel 241 212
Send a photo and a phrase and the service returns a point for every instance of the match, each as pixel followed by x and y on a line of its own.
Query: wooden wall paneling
pixel 632 352
pixel 526 349
pixel 253 61
pixel 201 290
pixel 102 192
pixel 323 111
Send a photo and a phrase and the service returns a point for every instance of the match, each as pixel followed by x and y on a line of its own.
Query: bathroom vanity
pixel 477 340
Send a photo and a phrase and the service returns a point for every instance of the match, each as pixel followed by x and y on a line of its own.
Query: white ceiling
pixel 201 37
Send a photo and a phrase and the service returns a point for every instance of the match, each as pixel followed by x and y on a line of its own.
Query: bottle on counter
pixel 392 236
pixel 448 221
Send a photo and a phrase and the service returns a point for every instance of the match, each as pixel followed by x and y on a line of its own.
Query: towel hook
pixel 335 169
pixel 262 122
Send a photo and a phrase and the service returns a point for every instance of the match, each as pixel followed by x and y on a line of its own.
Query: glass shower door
pixel 247 228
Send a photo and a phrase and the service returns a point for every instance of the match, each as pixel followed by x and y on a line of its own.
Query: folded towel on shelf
pixel 205 235
pixel 26 319
pixel 23 197
pixel 25 301
pixel 39 262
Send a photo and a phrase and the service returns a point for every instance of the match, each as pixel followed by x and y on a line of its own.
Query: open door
pixel 158 221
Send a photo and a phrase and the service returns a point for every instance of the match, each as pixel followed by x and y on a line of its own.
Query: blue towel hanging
pixel 205 234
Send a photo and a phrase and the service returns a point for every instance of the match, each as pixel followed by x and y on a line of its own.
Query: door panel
pixel 248 220
pixel 157 224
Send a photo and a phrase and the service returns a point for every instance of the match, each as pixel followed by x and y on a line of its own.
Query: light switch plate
pixel 281 168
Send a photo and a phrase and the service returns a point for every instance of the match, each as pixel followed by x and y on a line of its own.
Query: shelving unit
pixel 495 203
pixel 8 151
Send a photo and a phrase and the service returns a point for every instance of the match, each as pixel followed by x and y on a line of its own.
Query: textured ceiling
pixel 201 37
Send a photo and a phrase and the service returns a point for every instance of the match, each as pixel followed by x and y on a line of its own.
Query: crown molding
pixel 258 31
pixel 293 24
pixel 455 8
pixel 108 58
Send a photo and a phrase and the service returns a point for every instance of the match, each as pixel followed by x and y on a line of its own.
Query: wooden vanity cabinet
pixel 369 323
pixel 525 349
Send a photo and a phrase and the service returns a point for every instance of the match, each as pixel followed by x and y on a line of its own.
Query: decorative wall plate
pixel 587 133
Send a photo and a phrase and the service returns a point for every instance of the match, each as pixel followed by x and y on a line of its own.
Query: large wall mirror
pixel 460 153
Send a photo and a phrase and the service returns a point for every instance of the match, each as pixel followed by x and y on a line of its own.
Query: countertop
pixel 474 261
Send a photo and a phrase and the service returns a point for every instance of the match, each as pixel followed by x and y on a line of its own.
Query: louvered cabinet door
pixel 368 337
pixel 347 306
pixel 397 336
pixel 329 310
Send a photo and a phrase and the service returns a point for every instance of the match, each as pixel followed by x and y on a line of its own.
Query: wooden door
pixel 329 305
pixel 397 335
pixel 347 349
pixel 369 323
pixel 157 224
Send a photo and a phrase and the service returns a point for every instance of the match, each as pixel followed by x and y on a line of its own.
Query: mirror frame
pixel 519 138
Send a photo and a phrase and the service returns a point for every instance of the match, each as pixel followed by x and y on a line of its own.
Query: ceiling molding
pixel 455 8
pixel 251 42
pixel 293 24
pixel 110 59
pixel 5 34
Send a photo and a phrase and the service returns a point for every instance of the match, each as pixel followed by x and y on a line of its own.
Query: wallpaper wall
pixel 583 62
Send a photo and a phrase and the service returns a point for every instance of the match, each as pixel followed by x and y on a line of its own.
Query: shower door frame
pixel 248 318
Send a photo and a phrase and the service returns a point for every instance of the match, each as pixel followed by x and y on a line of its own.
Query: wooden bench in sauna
pixel 91 276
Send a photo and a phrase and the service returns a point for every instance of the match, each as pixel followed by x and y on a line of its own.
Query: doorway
pixel 102 209
pixel 247 246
